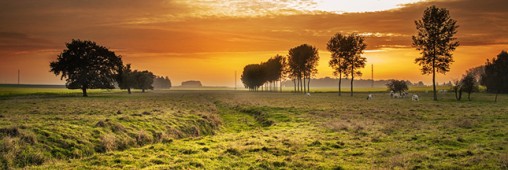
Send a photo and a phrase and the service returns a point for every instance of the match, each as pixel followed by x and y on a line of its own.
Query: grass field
pixel 221 129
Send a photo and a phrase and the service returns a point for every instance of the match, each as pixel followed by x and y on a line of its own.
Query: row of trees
pixel 299 65
pixel 266 74
pixel 86 65
pixel 301 62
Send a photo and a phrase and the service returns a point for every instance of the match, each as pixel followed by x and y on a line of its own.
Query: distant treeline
pixel 333 82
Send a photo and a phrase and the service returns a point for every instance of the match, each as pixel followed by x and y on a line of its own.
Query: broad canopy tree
pixel 144 80
pixel 86 65
pixel 253 76
pixel 436 41
pixel 397 86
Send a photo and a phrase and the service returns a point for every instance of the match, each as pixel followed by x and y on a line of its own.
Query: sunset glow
pixel 210 40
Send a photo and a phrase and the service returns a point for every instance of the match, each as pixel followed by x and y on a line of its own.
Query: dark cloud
pixel 161 26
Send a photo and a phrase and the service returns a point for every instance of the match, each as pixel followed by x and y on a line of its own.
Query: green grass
pixel 248 130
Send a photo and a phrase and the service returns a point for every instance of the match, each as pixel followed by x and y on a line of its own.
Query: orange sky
pixel 208 41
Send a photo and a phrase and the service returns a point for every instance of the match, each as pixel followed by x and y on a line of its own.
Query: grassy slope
pixel 271 130
pixel 43 128
pixel 326 131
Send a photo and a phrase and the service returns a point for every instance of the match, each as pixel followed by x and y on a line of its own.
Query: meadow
pixel 226 129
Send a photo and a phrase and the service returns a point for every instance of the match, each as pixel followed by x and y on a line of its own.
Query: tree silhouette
pixel 397 86
pixel 346 51
pixel 274 70
pixel 436 42
pixel 302 62
pixel 351 50
pixel 143 79
pixel 126 78
pixel 252 76
pixel 469 85
pixel 86 65
pixel 496 74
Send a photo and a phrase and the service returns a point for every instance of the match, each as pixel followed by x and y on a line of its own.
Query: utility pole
pixel 372 75
pixel 18 76
pixel 235 79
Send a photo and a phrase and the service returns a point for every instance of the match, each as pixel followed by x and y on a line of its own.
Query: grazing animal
pixel 415 98
pixel 307 94
pixel 404 94
pixel 396 95
pixel 369 97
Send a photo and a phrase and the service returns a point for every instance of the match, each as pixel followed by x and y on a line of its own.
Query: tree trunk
pixel 434 78
pixel 308 85
pixel 340 82
pixel 304 85
pixel 84 92
pixel 280 84
pixel 352 77
pixel 495 100
pixel 129 90
pixel 294 83
pixel 142 90
pixel 460 94
pixel 469 96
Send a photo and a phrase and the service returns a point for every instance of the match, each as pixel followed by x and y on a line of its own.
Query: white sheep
pixel 415 98
pixel 307 94
pixel 369 97
pixel 396 95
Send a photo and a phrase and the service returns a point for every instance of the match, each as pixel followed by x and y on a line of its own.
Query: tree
pixel 457 89
pixel 302 61
pixel 347 48
pixel 144 80
pixel 338 46
pixel 276 66
pixel 252 76
pixel 86 65
pixel 125 78
pixel 397 86
pixel 436 41
pixel 469 85
pixel 496 74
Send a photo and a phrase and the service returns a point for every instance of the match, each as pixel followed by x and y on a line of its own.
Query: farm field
pixel 221 129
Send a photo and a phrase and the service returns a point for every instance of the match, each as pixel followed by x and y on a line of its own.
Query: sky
pixel 208 40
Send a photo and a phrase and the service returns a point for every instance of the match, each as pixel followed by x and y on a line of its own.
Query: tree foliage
pixel 126 79
pixel 144 80
pixel 436 41
pixel 469 84
pixel 86 65
pixel 496 74
pixel 353 48
pixel 397 86
pixel 302 63
pixel 255 76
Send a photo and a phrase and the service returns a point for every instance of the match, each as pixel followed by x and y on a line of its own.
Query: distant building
pixel 192 83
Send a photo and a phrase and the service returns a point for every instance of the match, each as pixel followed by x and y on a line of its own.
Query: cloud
pixel 174 26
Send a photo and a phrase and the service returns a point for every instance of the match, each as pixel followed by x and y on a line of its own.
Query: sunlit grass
pixel 175 129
